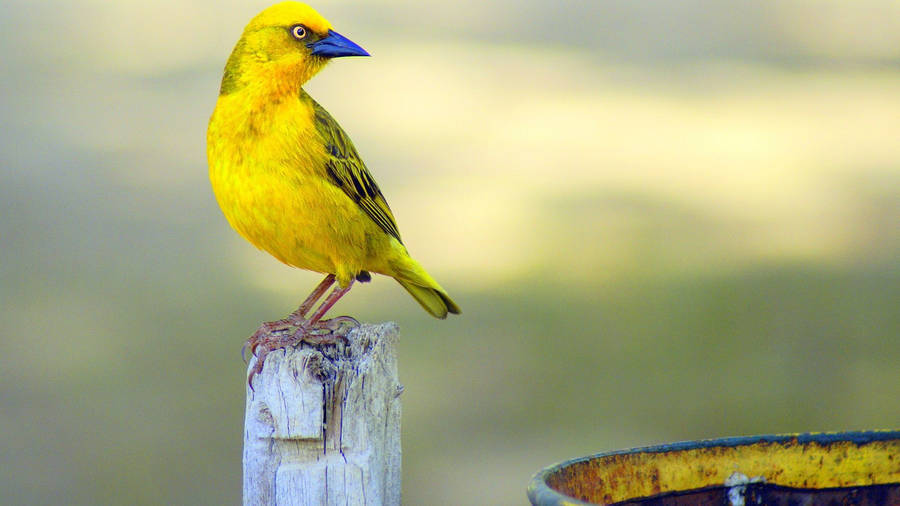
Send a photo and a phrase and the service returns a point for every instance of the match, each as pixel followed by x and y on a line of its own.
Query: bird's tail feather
pixel 423 287
pixel 435 301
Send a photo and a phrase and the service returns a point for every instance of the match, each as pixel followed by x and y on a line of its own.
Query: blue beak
pixel 335 45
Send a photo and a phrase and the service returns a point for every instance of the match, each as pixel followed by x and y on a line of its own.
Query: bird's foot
pixel 280 334
pixel 267 332
pixel 328 331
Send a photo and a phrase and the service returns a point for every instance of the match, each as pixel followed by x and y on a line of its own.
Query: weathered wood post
pixel 323 424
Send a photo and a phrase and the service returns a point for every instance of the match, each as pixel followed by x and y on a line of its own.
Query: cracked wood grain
pixel 323 424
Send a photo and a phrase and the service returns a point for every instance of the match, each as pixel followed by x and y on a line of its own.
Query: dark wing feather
pixel 347 171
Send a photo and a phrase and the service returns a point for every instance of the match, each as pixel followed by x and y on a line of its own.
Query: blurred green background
pixel 663 221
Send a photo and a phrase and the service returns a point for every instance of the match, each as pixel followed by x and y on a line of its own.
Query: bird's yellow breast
pixel 267 168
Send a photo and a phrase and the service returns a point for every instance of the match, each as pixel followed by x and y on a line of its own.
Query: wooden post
pixel 323 424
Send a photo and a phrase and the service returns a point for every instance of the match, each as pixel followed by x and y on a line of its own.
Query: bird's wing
pixel 346 170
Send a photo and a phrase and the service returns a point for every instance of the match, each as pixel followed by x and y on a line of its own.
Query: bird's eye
pixel 298 31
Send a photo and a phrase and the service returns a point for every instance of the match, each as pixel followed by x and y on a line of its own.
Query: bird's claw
pixel 266 332
pixel 271 336
pixel 338 327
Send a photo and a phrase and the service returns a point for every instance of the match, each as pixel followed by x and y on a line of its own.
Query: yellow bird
pixel 290 181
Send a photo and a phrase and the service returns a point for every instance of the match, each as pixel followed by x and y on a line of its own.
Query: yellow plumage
pixel 286 176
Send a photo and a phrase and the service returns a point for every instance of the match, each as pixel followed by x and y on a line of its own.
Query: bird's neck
pixel 262 85
pixel 256 77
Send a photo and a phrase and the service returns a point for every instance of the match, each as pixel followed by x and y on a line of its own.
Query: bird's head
pixel 282 48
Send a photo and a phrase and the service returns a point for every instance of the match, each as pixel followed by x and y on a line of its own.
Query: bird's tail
pixel 434 300
pixel 425 289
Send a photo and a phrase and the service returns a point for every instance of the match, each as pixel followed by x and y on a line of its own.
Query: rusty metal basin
pixel 860 468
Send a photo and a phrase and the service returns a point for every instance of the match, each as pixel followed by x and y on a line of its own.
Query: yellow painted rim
pixel 809 461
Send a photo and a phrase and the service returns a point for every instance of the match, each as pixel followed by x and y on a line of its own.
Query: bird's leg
pixel 330 301
pixel 316 330
pixel 313 330
pixel 299 316
pixel 268 330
